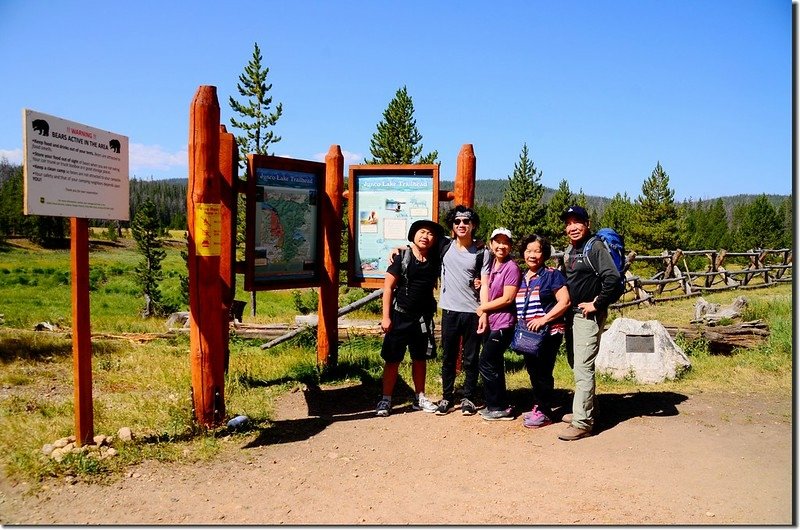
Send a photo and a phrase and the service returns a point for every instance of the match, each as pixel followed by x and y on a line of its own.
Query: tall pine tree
pixel 618 214
pixel 521 209
pixel 757 225
pixel 554 226
pixel 655 224
pixel 397 140
pixel 145 229
pixel 257 120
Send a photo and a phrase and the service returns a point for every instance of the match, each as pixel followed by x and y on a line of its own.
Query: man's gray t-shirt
pixel 458 291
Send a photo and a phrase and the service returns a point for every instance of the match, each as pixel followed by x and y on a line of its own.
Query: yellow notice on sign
pixel 207 229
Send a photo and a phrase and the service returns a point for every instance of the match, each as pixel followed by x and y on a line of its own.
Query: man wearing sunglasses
pixel 463 261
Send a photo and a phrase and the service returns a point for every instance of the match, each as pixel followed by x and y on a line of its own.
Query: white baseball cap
pixel 501 231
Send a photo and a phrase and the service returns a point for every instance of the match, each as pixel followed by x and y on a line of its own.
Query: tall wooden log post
pixel 228 165
pixel 207 344
pixel 81 331
pixel 464 185
pixel 331 215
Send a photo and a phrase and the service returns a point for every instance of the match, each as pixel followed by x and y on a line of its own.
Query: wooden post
pixel 712 267
pixel 229 195
pixel 464 185
pixel 331 215
pixel 207 347
pixel 81 331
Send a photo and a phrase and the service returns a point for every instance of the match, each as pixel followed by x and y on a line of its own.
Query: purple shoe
pixel 535 419
pixel 533 412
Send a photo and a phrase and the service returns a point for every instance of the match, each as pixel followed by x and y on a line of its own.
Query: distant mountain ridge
pixel 489 192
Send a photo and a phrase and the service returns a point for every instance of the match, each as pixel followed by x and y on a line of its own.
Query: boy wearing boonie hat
pixel 408 308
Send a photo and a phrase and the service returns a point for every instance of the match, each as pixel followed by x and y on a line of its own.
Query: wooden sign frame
pixel 284 176
pixel 399 196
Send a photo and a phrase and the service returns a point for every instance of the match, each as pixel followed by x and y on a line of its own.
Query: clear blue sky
pixel 600 91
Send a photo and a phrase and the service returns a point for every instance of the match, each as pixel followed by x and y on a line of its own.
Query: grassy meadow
pixel 145 384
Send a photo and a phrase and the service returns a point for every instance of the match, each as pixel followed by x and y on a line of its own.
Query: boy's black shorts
pixel 406 332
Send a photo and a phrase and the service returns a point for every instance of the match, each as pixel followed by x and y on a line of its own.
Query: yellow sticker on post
pixel 207 229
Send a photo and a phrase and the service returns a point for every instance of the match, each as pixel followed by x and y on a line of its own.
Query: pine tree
pixel 757 225
pixel 257 120
pixel 521 210
pixel 562 199
pixel 619 214
pixel 785 213
pixel 145 229
pixel 397 140
pixel 655 224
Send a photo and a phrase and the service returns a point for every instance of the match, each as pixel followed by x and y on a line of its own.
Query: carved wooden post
pixel 331 214
pixel 228 165
pixel 464 185
pixel 207 347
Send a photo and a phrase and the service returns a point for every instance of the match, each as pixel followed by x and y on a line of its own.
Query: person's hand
pixel 483 323
pixel 386 324
pixel 587 308
pixel 535 324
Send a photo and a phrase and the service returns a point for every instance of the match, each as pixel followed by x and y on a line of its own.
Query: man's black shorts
pixel 406 332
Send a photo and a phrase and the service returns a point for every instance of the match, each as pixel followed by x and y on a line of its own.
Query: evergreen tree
pixel 521 210
pixel 618 214
pixel 757 225
pixel 785 213
pixel 488 216
pixel 397 140
pixel 257 120
pixel 655 224
pixel 44 230
pixel 145 229
pixel 562 199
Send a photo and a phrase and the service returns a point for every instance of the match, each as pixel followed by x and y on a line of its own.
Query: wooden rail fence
pixel 766 266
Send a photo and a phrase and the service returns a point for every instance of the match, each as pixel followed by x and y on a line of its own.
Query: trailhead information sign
pixel 283 246
pixel 385 207
pixel 73 170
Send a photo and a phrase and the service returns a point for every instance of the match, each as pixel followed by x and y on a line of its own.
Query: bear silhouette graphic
pixel 42 127
pixel 114 145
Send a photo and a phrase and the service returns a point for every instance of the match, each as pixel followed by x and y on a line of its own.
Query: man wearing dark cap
pixel 408 308
pixel 592 279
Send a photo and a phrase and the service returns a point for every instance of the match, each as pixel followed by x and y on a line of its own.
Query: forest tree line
pixel 736 223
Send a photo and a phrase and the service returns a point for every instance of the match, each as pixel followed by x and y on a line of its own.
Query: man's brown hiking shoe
pixel 574 433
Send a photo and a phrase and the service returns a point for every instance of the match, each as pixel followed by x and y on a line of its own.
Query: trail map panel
pixel 285 224
pixel 385 206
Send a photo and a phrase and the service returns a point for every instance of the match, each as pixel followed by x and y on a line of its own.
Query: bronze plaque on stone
pixel 640 344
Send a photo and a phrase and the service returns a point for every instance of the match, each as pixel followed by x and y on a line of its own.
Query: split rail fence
pixel 764 268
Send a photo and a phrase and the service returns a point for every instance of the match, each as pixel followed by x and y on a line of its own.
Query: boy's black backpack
pixel 615 244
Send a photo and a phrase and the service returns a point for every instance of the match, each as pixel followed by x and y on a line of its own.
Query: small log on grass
pixel 722 340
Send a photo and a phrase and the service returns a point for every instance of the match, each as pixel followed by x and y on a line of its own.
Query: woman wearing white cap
pixel 497 311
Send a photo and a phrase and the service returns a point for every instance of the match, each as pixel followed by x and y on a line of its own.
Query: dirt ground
pixel 656 458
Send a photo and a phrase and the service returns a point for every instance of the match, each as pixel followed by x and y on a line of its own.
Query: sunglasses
pixel 461 222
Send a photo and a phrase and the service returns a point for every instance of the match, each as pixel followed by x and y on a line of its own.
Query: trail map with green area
pixel 286 221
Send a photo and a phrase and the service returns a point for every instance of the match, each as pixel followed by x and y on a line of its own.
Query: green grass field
pixel 146 386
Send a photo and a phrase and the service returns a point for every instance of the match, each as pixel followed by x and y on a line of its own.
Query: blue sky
pixel 600 91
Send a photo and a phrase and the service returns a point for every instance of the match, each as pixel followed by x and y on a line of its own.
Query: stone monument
pixel 642 350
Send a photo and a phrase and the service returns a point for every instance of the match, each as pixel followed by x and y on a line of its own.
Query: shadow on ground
pixel 326 405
